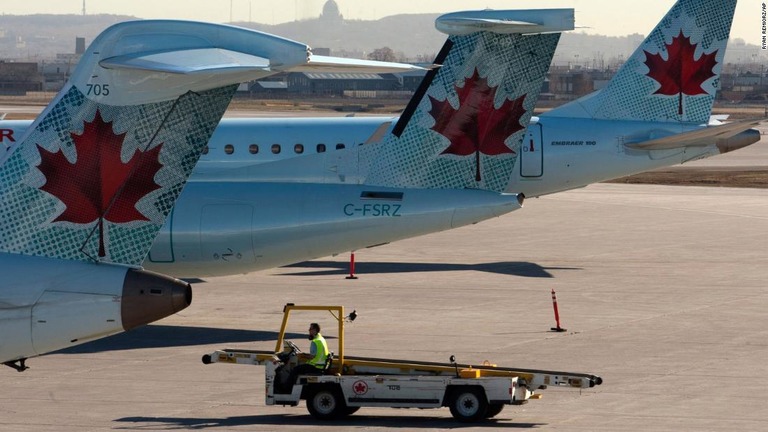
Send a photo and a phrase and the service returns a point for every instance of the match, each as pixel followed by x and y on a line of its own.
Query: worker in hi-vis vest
pixel 318 354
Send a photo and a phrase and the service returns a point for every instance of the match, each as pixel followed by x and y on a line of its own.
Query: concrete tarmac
pixel 662 289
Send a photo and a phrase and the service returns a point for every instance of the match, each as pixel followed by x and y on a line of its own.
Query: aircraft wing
pixel 699 138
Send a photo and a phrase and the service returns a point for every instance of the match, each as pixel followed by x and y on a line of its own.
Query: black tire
pixel 468 404
pixel 350 410
pixel 494 409
pixel 326 403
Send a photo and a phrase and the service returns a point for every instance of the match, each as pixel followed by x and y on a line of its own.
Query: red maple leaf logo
pixel 681 73
pixel 477 126
pixel 360 387
pixel 99 185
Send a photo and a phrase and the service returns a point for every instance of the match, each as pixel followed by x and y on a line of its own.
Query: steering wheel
pixel 294 349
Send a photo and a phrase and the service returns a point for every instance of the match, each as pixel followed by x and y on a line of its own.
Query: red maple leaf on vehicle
pixel 360 387
pixel 99 185
pixel 681 73
pixel 477 126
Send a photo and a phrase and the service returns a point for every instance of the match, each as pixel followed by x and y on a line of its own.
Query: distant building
pixel 80 45
pixel 331 12
pixel 321 51
pixel 412 80
pixel 17 78
pixel 266 88
pixel 747 79
pixel 335 84
pixel 56 72
pixel 567 82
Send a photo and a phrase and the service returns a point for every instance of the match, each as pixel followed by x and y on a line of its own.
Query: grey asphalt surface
pixel 662 289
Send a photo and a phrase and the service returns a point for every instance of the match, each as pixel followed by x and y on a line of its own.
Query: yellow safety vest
pixel 321 352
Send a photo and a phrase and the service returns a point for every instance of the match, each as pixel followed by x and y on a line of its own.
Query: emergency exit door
pixel 532 153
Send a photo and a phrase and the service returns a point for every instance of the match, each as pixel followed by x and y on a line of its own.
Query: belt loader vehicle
pixel 348 383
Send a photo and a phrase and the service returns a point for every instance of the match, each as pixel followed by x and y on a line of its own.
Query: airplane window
pixel 340 146
pixel 205 150
pixel 253 148
pixel 229 149
pixel 321 148
pixel 298 148
pixel 276 148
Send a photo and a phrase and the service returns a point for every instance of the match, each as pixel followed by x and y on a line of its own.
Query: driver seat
pixel 328 363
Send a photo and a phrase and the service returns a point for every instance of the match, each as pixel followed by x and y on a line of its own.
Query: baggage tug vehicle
pixel 347 383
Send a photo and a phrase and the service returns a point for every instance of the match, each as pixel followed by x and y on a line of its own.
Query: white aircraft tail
pixel 94 177
pixel 464 126
pixel 673 75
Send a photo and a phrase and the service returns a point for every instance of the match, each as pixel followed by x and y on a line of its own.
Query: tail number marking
pixel 97 90
pixel 373 210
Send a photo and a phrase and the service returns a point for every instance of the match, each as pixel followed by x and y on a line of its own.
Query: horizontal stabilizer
pixel 718 119
pixel 172 54
pixel 188 61
pixel 698 138
pixel 318 63
pixel 506 22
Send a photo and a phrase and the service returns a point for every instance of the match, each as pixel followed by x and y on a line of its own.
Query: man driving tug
pixel 315 360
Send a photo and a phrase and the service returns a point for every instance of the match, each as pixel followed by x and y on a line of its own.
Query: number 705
pixel 98 89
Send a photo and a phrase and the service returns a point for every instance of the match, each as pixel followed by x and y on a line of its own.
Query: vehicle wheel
pixel 326 403
pixel 468 404
pixel 494 409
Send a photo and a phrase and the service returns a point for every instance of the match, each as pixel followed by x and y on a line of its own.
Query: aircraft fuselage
pixel 254 202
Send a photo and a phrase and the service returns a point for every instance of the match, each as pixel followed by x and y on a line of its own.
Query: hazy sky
pixel 610 17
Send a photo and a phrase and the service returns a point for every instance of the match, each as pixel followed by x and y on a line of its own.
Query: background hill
pixel 37 37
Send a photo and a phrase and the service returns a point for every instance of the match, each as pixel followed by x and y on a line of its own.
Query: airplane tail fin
pixel 673 75
pixel 464 126
pixel 95 176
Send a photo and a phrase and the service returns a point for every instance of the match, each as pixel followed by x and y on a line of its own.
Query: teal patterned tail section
pixel 95 181
pixel 674 74
pixel 464 129
pixel 95 176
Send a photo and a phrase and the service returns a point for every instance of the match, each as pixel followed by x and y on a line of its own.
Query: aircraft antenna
pixel 83 7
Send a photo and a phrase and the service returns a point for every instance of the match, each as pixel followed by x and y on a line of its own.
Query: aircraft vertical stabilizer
pixel 465 125
pixel 673 75
pixel 96 174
